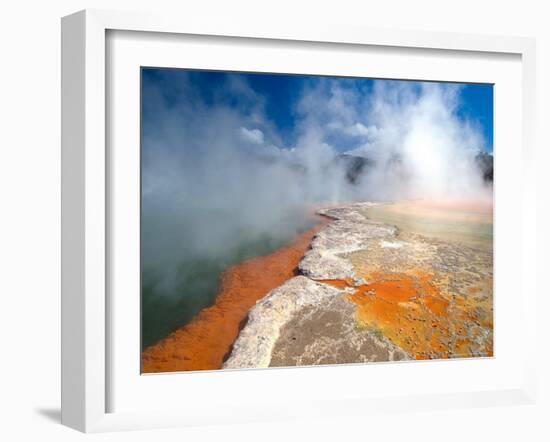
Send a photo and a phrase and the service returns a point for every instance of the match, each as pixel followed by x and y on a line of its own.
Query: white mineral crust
pixel 253 347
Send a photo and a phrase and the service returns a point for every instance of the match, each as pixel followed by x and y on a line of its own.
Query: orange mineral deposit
pixel 203 343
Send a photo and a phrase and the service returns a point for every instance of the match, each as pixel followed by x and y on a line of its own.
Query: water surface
pixel 181 265
pixel 467 222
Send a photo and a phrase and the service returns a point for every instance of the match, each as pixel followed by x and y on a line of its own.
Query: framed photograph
pixel 250 213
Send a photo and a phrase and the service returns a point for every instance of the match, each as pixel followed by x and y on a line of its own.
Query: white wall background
pixel 30 219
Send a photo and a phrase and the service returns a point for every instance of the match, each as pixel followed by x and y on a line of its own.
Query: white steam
pixel 214 173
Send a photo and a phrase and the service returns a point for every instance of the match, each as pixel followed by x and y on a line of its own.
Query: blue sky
pixel 477 105
pixel 278 97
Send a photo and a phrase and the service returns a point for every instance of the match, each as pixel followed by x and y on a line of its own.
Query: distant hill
pixel 484 161
pixel 354 166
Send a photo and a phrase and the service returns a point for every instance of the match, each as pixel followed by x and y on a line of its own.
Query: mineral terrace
pixel 368 292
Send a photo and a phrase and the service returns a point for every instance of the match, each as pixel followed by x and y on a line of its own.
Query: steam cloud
pixel 217 170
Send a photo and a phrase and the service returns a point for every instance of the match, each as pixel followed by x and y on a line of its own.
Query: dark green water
pixel 197 278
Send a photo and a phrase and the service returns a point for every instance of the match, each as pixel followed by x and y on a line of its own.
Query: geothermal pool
pixel 193 255
pixel 424 291
pixel 205 341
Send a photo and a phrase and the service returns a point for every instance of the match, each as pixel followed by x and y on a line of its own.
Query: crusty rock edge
pixel 255 343
pixel 326 259
pixel 350 232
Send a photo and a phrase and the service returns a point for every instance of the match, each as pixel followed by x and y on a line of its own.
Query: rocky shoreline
pixel 305 303
pixel 203 343
pixel 349 232
pixel 368 292
pixel 352 289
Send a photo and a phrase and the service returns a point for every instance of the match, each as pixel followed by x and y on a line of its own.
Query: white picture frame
pixel 86 203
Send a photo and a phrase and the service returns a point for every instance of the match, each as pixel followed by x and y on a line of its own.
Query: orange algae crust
pixel 410 310
pixel 431 294
pixel 204 342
